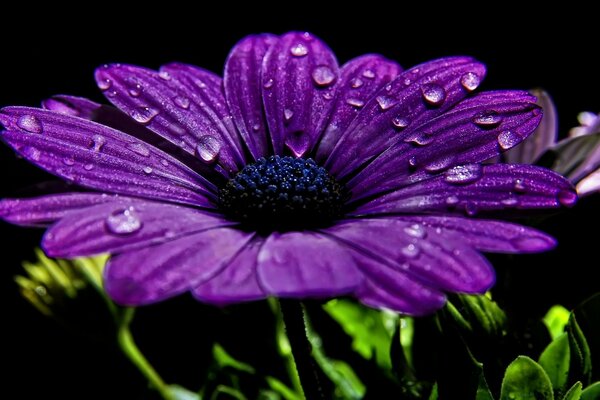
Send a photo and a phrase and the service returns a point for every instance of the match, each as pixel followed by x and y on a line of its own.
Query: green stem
pixel 134 354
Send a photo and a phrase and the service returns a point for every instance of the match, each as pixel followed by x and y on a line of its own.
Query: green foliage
pixel 580 368
pixel 574 393
pixel 555 361
pixel 592 392
pixel 556 319
pixel 526 380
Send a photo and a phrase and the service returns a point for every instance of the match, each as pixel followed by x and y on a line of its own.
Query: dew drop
pixel 412 162
pixel 200 84
pixel 288 114
pixel 268 84
pixel 143 115
pixel 299 50
pixel 520 185
pixel 433 94
pixel 567 198
pixel 328 95
pixel 416 231
pixel 208 149
pixel 407 82
pixel 400 122
pixel 369 74
pixel 123 222
pixel 385 103
pixel 419 138
pixel 388 88
pixel 136 90
pixel 164 162
pixel 323 75
pixel 470 81
pixel 164 75
pixel 510 201
pixel 88 167
pixel 356 83
pixel 104 84
pixel 139 148
pixel 410 251
pixel 452 201
pixel 470 209
pixel 463 174
pixel 487 119
pixel 30 123
pixel 32 153
pixel 509 139
pixel 69 161
pixel 147 170
pixel 182 102
pixel 355 102
pixel 440 164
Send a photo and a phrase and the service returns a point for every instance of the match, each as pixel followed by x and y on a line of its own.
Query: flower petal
pixel 242 82
pixel 192 117
pixel 298 81
pixel 102 158
pixel 237 282
pixel 72 105
pixel 45 209
pixel 414 97
pixel 158 272
pixel 306 264
pixel 474 131
pixel 474 188
pixel 124 225
pixel 360 79
pixel 439 261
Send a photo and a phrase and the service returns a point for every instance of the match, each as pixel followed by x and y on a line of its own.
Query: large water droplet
pixel 69 161
pixel 368 74
pixel 143 115
pixel 268 83
pixel 139 148
pixel 147 170
pixel 356 83
pixel 400 122
pixel 433 94
pixel 470 81
pixel 182 102
pixel 30 123
pixel 355 102
pixel 487 119
pixel 416 231
pixel 385 103
pixel 97 143
pixel 298 142
pixel 208 149
pixel 323 75
pixel 123 222
pixel 463 174
pixel 440 164
pixel 567 197
pixel 136 90
pixel 287 114
pixel 299 50
pixel 410 251
pixel 104 84
pixel 509 139
pixel 419 138
pixel 164 75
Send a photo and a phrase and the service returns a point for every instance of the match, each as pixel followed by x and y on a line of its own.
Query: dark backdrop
pixel 44 54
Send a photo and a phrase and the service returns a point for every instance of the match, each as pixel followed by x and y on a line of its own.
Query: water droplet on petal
pixel 509 139
pixel 463 174
pixel 452 201
pixel 208 149
pixel 410 251
pixel 200 84
pixel 288 114
pixel 136 90
pixel 419 138
pixel 256 127
pixel 407 82
pixel 164 162
pixel 470 81
pixel 328 95
pixel 323 75
pixel 385 103
pixel 368 74
pixel 139 148
pixel 412 162
pixel 440 164
pixel 123 222
pixel 433 94
pixel 520 185
pixel 164 75
pixel 147 170
pixel 567 197
pixel 88 167
pixel 143 115
pixel 32 153
pixel 487 119
pixel 104 84
pixel 400 122
pixel 356 83
pixel 416 231
pixel 181 101
pixel 510 201
pixel 471 209
pixel 268 84
pixel 30 123
pixel 69 161
pixel 355 102
pixel 299 50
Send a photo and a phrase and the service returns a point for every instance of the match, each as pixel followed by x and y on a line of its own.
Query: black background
pixel 45 54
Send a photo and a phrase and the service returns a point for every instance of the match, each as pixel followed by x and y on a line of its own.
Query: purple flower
pixel 288 177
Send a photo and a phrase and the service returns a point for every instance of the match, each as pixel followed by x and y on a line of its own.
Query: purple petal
pixel 589 164
pixel 158 272
pixel 243 89
pixel 485 235
pixel 124 225
pixel 43 210
pixel 102 158
pixel 299 74
pixel 474 188
pixel 542 139
pixel 474 131
pixel 437 260
pixel 306 264
pixel 73 106
pixel 238 280
pixel 401 107
pixel 192 117
pixel 360 79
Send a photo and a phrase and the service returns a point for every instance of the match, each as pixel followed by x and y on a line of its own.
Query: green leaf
pixel 227 393
pixel 372 338
pixel 224 360
pixel 556 319
pixel 525 379
pixel 282 389
pixel 555 361
pixel 181 393
pixel 574 393
pixel 434 392
pixel 481 314
pixel 591 392
pixel 581 359
pixel 587 318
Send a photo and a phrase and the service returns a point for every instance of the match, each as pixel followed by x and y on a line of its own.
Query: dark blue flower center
pixel 283 193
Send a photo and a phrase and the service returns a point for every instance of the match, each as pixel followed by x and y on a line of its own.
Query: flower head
pixel 290 176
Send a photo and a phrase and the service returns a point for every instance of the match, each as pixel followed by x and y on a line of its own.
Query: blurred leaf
pixel 574 393
pixel 587 317
pixel 580 368
pixel 282 389
pixel 227 393
pixel 555 361
pixel 568 154
pixel 556 319
pixel 526 380
pixel 434 392
pixel 367 327
pixel 591 392
pixel 480 314
pixel 224 360
pixel 181 393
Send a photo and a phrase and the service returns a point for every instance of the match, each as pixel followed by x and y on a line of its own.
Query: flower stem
pixel 293 317
pixel 134 354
